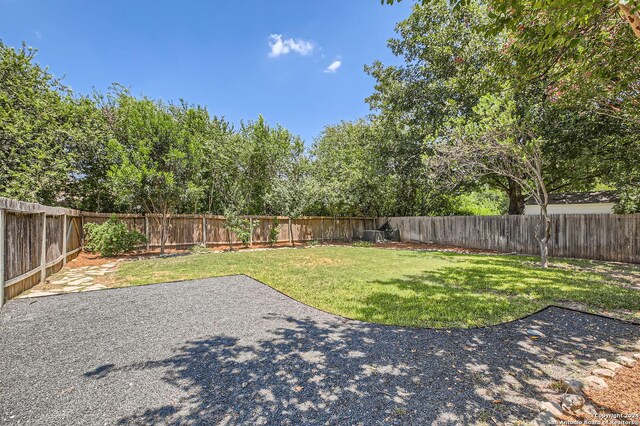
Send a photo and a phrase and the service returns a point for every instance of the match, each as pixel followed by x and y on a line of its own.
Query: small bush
pixel 111 237
pixel 239 226
pixel 314 243
pixel 363 244
pixel 198 249
pixel 274 232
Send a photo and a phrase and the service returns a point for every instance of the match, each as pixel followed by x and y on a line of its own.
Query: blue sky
pixel 297 62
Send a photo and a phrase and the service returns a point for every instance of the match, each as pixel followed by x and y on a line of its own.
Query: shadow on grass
pixel 478 291
pixel 340 372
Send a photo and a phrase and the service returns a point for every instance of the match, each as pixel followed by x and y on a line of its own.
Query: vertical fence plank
pixel 204 230
pixel 605 237
pixel 64 239
pixel 147 231
pixel 3 247
pixel 43 252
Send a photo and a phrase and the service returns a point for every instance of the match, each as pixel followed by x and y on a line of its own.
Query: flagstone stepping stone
pixel 95 287
pixel 96 273
pixel 613 366
pixel 636 356
pixel 37 293
pixel 81 281
pixel 71 288
pixel 59 282
pixel 109 265
pixel 604 372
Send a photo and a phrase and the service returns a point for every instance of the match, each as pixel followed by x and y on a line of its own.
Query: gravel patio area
pixel 234 351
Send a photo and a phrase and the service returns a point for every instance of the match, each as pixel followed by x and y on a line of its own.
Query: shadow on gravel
pixel 344 372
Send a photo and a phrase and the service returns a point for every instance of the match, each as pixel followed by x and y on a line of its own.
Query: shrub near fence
pixel 36 241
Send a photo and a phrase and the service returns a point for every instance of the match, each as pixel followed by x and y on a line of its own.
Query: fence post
pixel 350 236
pixel 204 230
pixel 82 230
pixel 3 245
pixel 333 233
pixel 321 230
pixel 43 251
pixel 64 239
pixel 146 230
pixel 251 231
pixel 290 232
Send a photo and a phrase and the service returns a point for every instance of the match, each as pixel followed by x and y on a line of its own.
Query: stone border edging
pixel 573 402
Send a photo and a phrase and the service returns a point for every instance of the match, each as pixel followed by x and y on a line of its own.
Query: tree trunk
pixel 543 234
pixel 632 17
pixel 516 198
pixel 291 233
pixel 163 231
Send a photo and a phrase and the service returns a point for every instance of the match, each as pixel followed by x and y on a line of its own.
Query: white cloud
pixel 333 67
pixel 279 46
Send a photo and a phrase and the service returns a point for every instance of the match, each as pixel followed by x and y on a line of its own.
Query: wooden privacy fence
pixel 185 230
pixel 585 236
pixel 36 241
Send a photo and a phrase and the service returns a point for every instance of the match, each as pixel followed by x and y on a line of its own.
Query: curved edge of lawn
pixel 411 327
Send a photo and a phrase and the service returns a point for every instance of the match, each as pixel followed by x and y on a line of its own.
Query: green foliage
pixel 451 63
pixel 35 129
pixel 484 202
pixel 156 157
pixel 348 171
pixel 313 243
pixel 365 168
pixel 111 238
pixel 363 244
pixel 117 152
pixel 629 201
pixel 274 231
pixel 198 249
pixel 238 225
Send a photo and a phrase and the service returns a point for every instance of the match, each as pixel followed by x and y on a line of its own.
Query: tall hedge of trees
pixel 482 112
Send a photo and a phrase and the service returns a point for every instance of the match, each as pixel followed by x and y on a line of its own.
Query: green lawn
pixel 413 288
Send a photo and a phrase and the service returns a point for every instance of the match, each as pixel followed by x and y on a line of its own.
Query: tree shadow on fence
pixel 344 372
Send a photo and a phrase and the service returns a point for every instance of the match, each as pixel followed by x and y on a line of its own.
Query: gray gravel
pixel 233 351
